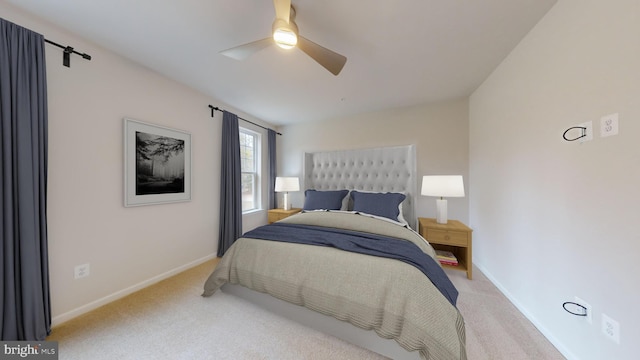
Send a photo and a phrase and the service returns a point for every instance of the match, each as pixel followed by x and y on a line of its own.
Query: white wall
pixel 554 219
pixel 127 248
pixel 439 131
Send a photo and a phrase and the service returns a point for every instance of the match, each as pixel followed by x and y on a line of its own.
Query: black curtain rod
pixel 66 61
pixel 214 108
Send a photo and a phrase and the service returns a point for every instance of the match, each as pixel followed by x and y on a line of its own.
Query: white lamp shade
pixel 442 186
pixel 284 184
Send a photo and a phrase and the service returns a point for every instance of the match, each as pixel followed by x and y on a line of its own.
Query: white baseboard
pixel 545 332
pixel 57 320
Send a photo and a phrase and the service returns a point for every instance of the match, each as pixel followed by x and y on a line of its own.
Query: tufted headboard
pixel 388 169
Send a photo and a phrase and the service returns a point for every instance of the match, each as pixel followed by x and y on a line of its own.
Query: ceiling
pixel 400 53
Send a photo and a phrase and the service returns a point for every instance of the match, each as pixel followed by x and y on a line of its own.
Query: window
pixel 249 159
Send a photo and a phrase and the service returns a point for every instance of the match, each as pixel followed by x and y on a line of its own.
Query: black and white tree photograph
pixel 157 164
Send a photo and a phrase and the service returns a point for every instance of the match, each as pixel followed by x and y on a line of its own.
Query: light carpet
pixel 170 320
pixel 495 328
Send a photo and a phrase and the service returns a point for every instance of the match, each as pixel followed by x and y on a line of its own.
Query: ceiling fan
pixel 285 35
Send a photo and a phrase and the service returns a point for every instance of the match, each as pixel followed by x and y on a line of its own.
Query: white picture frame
pixel 157 164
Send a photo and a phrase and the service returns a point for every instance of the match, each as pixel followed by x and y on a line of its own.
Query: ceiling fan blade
pixel 283 9
pixel 331 61
pixel 244 51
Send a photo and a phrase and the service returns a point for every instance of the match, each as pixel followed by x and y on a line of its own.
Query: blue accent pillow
pixel 380 204
pixel 323 200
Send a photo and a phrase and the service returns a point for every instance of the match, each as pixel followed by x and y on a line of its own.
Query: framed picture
pixel 157 164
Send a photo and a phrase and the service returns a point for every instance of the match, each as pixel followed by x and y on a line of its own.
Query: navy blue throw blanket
pixel 362 243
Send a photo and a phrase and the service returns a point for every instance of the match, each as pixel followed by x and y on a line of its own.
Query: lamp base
pixel 287 204
pixel 441 211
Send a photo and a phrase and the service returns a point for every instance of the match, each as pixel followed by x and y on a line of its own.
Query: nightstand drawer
pixel 271 217
pixel 448 237
pixel 274 215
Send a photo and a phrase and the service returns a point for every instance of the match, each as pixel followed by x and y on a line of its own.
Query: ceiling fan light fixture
pixel 285 34
pixel 285 39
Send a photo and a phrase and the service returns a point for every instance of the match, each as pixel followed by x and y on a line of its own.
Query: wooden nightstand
pixel 453 236
pixel 274 215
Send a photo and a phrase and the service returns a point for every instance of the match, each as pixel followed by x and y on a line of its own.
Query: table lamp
pixel 286 184
pixel 442 186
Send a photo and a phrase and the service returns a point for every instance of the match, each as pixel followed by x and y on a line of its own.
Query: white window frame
pixel 257 156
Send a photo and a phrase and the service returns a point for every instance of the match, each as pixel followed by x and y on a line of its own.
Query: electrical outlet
pixel 609 125
pixel 611 328
pixel 587 307
pixel 81 271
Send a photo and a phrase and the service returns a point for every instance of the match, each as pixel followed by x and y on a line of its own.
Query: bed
pixel 350 257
